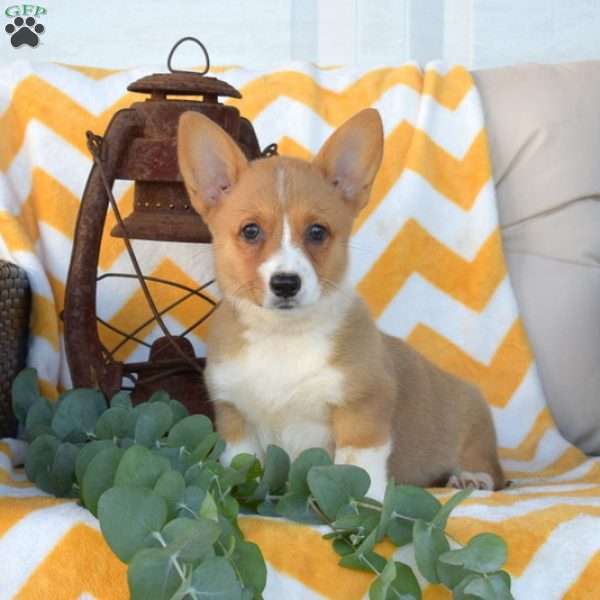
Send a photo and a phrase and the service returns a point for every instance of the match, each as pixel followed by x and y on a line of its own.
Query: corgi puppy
pixel 293 356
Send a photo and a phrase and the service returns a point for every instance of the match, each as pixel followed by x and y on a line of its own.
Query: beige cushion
pixel 544 129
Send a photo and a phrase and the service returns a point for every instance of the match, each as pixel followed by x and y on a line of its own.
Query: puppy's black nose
pixel 285 285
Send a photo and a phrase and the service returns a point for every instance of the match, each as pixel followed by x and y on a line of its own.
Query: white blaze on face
pixel 289 259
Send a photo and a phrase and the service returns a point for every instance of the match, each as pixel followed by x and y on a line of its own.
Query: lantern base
pixel 165 370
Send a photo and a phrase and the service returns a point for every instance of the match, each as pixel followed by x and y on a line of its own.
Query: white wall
pixel 477 33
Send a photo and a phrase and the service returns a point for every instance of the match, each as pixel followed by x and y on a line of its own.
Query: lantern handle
pixel 177 44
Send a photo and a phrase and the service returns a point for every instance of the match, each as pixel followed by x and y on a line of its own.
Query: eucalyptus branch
pixel 138 476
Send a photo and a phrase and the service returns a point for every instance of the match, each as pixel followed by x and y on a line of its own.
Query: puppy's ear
pixel 350 158
pixel 209 160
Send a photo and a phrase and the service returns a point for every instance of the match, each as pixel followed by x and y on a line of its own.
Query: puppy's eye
pixel 316 233
pixel 251 232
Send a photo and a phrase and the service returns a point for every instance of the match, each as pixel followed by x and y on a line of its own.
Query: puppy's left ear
pixel 350 158
pixel 209 160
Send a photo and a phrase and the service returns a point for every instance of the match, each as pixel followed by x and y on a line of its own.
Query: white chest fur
pixel 283 381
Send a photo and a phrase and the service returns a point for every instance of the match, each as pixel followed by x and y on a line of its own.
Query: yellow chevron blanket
pixel 426 256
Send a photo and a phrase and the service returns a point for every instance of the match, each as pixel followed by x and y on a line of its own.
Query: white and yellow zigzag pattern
pixel 426 255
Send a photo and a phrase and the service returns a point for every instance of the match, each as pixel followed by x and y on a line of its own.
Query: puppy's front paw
pixel 243 446
pixel 465 479
pixel 373 460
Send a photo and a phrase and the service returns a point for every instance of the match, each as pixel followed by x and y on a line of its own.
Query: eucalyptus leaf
pixel 203 449
pixel 313 457
pixel 451 575
pixel 217 449
pixel 63 469
pixel 480 587
pixel 381 584
pixel 276 468
pixel 153 422
pixel 441 518
pixel 75 418
pixel 193 497
pixel 121 400
pixel 250 565
pixel 179 410
pixel 189 432
pixel 396 582
pixel 387 509
pixel 229 507
pixel 365 562
pixel 86 454
pixel 274 478
pixel 159 396
pixel 191 539
pixel 39 419
pixel 40 456
pixel 247 464
pixel 333 486
pixel 430 542
pixel 139 466
pixel 408 503
pixel 215 579
pixel 352 518
pixel 178 457
pixel 500 582
pixel 128 517
pixel 484 553
pixel 171 486
pixel 342 547
pixel 99 476
pixel 415 502
pixel 113 423
pixel 296 507
pixel 208 508
pixel 25 392
pixel 152 575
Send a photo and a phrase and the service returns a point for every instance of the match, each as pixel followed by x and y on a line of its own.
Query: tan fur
pixel 230 422
pixel 439 426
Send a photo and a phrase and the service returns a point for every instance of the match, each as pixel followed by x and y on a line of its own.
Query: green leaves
pixel 191 540
pixel 333 486
pixel 51 465
pixel 189 432
pixel 114 423
pixel 169 509
pixel 152 574
pixel 215 579
pixel 140 467
pixel 24 392
pixel 430 542
pixel 152 424
pixel 313 457
pixel 396 581
pixel 76 415
pixel 38 420
pixel 485 553
pixel 99 476
pixel 493 587
pixel 441 518
pixel 296 503
pixel 128 517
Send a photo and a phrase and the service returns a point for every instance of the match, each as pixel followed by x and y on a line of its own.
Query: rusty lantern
pixel 140 145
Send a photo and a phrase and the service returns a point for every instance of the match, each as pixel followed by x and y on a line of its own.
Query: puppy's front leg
pixel 236 431
pixel 364 441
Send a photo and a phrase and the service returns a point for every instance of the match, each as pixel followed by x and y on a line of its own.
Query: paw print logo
pixel 24 31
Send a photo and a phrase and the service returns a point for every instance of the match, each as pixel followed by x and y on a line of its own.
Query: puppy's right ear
pixel 209 160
